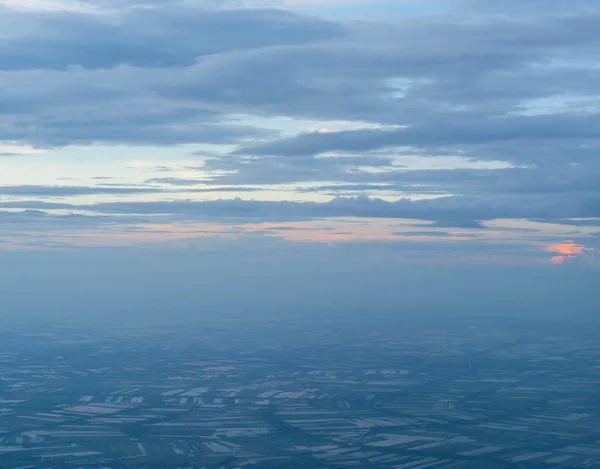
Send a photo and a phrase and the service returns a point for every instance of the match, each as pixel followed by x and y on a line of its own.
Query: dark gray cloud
pixel 109 189
pixel 441 132
pixel 466 73
pixel 447 209
pixel 125 129
pixel 40 220
pixel 459 222
pixel 551 180
pixel 35 205
pixel 451 211
pixel 447 70
pixel 74 78
pixel 416 234
pixel 487 81
pixel 162 36
pixel 66 191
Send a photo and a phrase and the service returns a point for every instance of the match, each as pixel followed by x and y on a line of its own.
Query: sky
pixel 438 155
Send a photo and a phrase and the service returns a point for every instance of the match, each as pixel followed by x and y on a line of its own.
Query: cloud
pixel 439 133
pixel 443 232
pixel 449 211
pixel 411 234
pixel 66 191
pixel 162 36
pixel 566 248
pixel 593 222
pixel 24 223
pixel 82 79
pixel 111 189
pixel 558 260
pixel 153 83
pixel 191 185
pixel 572 252
pixel 481 83
pixel 175 181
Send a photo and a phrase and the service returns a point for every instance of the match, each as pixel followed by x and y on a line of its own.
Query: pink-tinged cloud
pixel 558 260
pixel 566 249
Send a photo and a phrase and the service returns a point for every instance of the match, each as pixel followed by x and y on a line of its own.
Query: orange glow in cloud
pixel 566 249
